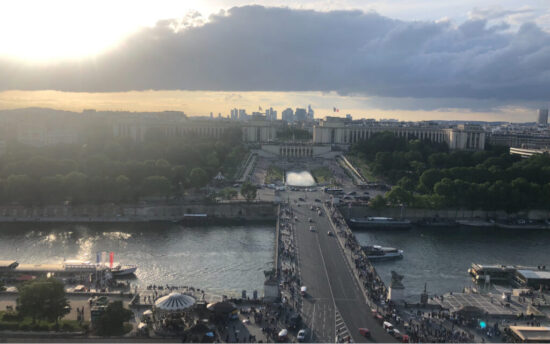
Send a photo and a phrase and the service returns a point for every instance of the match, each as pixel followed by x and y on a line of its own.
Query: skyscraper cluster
pixel 288 115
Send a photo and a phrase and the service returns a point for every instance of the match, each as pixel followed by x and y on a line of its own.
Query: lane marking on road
pixel 340 326
pixel 326 274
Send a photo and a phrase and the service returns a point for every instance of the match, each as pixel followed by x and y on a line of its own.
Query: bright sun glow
pixel 45 30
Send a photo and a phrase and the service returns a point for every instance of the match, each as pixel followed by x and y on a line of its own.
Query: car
pixel 329 233
pixel 388 327
pixel 317 200
pixel 365 193
pixel 352 193
pixel 320 213
pixel 365 332
pixel 310 220
pixel 301 335
pixel 303 290
pixel 311 229
pixel 301 199
pixel 311 208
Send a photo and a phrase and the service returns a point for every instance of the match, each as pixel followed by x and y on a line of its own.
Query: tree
pixel 43 299
pixel 429 178
pixel 155 186
pixel 75 183
pixel 399 195
pixel 20 188
pixel 122 188
pixel 228 193
pixel 378 202
pixel 111 323
pixel 198 177
pixel 249 191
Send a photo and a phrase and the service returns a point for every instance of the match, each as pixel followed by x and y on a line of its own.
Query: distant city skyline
pixel 201 103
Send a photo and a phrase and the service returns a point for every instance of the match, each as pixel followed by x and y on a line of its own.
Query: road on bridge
pixel 334 303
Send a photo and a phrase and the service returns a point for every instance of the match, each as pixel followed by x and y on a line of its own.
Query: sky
pixel 411 60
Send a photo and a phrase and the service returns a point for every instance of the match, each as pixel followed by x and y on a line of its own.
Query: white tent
pixel 174 302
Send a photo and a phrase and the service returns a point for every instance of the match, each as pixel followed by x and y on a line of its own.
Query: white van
pixel 388 327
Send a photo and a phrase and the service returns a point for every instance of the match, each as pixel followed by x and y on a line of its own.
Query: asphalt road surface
pixel 334 299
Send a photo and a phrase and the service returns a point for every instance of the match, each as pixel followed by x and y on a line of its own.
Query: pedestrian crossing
pixel 342 332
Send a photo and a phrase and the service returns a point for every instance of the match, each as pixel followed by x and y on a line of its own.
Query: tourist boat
pixel 379 222
pixel 123 270
pixel 378 252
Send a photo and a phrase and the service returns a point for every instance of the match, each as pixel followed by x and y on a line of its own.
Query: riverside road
pixel 334 304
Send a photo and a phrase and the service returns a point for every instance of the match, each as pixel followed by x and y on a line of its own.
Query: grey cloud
pixel 254 48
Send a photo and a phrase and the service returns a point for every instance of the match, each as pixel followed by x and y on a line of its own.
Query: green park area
pixel 426 174
pixel 363 168
pixel 107 169
pixel 322 175
pixel 274 174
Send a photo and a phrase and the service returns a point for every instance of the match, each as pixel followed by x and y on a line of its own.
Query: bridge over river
pixel 335 304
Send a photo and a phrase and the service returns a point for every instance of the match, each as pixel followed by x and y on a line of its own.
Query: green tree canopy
pixel 43 299
pixel 198 177
pixel 111 323
pixel 249 191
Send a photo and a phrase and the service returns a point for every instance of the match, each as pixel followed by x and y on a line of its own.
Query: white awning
pixel 174 302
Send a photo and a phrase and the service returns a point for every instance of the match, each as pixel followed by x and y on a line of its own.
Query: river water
pixel 226 260
pixel 221 260
pixel 441 257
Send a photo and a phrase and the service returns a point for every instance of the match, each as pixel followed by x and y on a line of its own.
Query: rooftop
pixel 532 334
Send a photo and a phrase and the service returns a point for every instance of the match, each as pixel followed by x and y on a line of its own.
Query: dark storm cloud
pixel 276 49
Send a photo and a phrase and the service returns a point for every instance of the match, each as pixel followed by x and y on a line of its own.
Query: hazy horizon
pixel 412 61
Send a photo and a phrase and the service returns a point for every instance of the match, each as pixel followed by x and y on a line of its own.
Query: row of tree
pixel 45 299
pixel 427 175
pixel 115 170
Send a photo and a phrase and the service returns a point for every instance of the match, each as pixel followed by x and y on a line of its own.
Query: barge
pixel 516 275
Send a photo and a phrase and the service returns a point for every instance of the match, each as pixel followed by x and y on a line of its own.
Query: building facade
pixel 335 131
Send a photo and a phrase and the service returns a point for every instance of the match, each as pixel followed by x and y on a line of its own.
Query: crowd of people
pixel 288 271
pixel 373 284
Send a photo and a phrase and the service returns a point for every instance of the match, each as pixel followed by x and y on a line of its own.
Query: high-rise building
pixel 287 115
pixel 242 115
pixel 310 113
pixel 300 114
pixel 543 117
pixel 234 114
pixel 270 114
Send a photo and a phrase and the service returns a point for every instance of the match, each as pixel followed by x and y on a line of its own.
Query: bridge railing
pixel 352 251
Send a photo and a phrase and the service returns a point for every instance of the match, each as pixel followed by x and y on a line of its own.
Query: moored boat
pixel 377 252
pixel 123 270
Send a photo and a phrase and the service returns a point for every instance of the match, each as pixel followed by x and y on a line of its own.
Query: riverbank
pixel 452 214
pixel 221 213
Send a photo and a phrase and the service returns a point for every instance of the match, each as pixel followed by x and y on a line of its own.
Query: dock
pixel 517 275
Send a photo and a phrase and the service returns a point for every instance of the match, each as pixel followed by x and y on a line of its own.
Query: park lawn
pixel 322 175
pixel 363 168
pixel 274 174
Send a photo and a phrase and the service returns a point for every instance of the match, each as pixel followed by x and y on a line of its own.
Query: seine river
pixel 222 260
pixel 441 257
pixel 226 260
